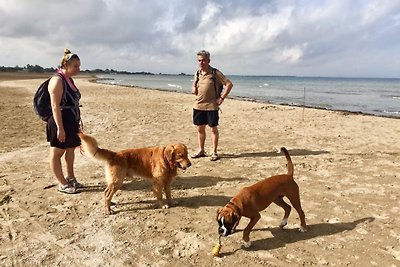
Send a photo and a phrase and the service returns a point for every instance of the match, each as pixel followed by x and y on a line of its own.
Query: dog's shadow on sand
pixel 282 237
pixel 180 183
pixel 192 202
pixel 269 154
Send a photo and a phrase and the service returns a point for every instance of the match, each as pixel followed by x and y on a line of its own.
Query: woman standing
pixel 63 126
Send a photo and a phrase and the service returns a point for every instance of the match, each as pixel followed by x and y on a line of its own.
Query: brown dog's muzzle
pixel 225 228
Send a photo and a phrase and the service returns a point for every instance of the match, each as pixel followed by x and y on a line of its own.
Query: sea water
pixel 375 96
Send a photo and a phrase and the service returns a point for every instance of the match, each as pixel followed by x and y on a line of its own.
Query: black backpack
pixel 218 87
pixel 41 100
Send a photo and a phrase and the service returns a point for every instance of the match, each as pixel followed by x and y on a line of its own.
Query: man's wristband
pixel 223 98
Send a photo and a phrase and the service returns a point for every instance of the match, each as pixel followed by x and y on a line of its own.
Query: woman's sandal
pixel 198 155
pixel 67 189
pixel 214 157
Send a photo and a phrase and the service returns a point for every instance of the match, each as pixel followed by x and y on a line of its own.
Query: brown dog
pixel 157 163
pixel 257 197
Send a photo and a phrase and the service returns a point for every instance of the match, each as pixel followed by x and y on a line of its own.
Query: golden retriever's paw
pixel 109 212
pixel 162 205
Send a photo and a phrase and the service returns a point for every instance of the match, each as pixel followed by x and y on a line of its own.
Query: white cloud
pixel 374 10
pixel 290 55
pixel 288 37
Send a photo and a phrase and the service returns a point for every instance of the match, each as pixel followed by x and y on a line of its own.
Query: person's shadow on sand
pixel 281 237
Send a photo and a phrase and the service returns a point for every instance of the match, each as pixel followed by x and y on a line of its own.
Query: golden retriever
pixel 157 163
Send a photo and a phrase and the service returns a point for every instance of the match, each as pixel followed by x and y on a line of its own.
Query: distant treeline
pixel 39 69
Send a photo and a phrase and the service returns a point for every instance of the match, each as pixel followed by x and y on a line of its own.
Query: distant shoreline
pixel 8 76
pixel 249 99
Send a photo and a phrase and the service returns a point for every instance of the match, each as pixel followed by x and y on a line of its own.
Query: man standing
pixel 207 82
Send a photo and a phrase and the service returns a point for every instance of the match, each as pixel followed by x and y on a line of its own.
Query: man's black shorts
pixel 205 117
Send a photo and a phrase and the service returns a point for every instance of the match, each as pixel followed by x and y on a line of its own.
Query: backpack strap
pixel 218 89
pixel 214 78
pixel 63 99
pixel 196 83
pixel 66 93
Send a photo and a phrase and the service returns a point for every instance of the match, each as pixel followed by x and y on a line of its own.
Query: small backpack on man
pixel 41 100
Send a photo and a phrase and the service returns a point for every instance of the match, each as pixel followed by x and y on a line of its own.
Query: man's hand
pixel 194 90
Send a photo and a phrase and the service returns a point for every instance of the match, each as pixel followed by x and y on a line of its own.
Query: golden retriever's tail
pixel 289 161
pixel 90 146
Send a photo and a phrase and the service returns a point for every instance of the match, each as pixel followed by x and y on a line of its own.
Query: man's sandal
pixel 198 155
pixel 67 189
pixel 214 157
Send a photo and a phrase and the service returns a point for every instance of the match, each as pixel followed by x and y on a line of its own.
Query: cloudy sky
pixel 347 38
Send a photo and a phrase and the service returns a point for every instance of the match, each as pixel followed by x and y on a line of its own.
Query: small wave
pixel 175 86
pixel 392 112
pixel 396 97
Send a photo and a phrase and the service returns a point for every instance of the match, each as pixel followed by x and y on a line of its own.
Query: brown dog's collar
pixel 236 207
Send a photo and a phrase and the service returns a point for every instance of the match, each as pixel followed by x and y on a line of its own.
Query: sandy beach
pixel 346 165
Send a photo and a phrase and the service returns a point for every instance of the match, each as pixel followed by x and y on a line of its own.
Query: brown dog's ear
pixel 169 155
pixel 235 218
pixel 218 211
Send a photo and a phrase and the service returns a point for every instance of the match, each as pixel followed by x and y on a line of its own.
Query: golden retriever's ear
pixel 169 155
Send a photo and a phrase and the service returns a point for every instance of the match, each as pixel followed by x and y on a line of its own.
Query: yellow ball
pixel 216 250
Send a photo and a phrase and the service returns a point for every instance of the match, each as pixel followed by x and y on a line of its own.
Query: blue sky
pixel 346 38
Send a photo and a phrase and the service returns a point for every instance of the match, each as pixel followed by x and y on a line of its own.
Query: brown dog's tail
pixel 289 161
pixel 90 146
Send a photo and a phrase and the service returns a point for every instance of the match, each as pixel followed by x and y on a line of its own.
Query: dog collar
pixel 235 206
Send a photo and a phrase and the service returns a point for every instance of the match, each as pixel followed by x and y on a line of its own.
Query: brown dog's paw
pixel 303 229
pixel 283 223
pixel 247 244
